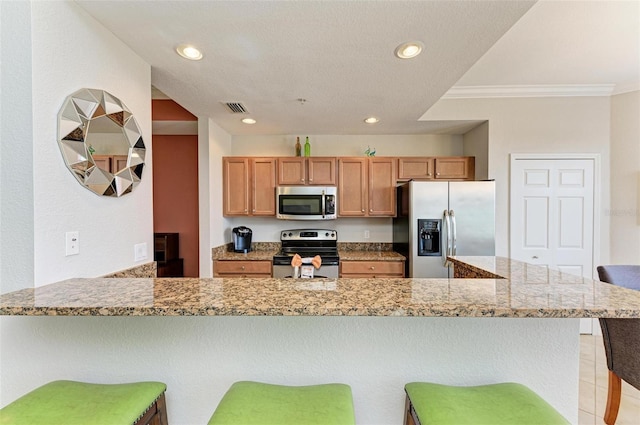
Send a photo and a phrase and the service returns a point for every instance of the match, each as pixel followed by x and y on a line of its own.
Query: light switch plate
pixel 72 243
pixel 140 251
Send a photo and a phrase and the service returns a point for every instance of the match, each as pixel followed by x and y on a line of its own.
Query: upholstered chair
pixel 621 339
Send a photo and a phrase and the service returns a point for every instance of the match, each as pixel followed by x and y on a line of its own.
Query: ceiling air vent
pixel 236 107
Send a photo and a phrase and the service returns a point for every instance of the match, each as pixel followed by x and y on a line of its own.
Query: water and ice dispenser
pixel 429 237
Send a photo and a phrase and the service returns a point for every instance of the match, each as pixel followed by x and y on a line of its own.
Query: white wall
pixel 350 145
pixel 72 51
pixel 476 143
pixel 213 144
pixel 624 211
pixel 536 125
pixel 59 49
pixel 16 149
pixel 200 357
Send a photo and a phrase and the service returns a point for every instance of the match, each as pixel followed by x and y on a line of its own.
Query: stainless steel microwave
pixel 306 202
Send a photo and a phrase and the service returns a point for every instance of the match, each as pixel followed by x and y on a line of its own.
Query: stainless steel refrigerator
pixel 436 219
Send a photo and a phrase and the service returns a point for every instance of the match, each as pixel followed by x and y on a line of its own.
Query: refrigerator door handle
pixel 455 236
pixel 447 250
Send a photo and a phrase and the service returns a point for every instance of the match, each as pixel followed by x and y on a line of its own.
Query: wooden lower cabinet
pixel 371 269
pixel 235 268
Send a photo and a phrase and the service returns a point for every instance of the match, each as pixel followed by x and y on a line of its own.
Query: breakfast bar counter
pixel 484 287
pixel 499 321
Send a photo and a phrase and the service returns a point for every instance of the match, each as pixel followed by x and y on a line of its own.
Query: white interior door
pixel 552 214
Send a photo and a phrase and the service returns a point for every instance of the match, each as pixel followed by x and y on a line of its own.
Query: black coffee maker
pixel 241 239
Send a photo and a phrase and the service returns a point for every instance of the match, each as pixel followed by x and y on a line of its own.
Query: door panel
pixel 552 215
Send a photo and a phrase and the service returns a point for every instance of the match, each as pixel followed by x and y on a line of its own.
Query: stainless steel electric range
pixel 307 243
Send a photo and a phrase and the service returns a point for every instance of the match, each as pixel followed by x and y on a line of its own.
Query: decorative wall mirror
pixel 101 142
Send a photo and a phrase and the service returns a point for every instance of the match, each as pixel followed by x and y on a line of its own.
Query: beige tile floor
pixel 593 387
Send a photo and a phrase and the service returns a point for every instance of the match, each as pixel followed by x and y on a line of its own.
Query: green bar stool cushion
pixel 70 403
pixel 497 404
pixel 255 403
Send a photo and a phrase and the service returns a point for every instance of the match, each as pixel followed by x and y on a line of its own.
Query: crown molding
pixel 473 92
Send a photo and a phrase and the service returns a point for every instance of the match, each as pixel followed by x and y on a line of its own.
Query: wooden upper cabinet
pixel 366 187
pixel 415 168
pixel 249 186
pixel 321 171
pixel 352 187
pixel 382 187
pixel 294 171
pixel 236 187
pixel 263 186
pixel 455 168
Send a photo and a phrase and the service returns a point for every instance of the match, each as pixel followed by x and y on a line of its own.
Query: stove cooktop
pixel 308 243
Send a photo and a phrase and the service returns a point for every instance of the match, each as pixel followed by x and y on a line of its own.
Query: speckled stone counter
pixel 354 251
pixel 525 291
pixel 259 251
pixel 352 255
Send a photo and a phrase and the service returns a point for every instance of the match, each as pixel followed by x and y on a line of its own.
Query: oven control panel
pixel 309 235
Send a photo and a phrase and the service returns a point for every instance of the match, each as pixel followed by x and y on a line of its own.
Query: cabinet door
pixel 235 181
pixel 321 171
pixel 352 187
pixel 118 163
pixel 241 268
pixel 382 187
pixel 357 269
pixel 292 171
pixel 455 168
pixel 415 168
pixel 102 161
pixel 263 186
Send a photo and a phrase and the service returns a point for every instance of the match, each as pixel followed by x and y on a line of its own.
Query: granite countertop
pixel 346 251
pixel 524 290
pixel 354 255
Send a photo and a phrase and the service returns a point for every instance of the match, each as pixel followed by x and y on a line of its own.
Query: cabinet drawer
pixel 394 268
pixel 242 267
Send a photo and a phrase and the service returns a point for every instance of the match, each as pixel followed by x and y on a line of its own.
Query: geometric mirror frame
pixel 101 142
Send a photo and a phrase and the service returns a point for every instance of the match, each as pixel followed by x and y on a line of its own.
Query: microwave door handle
pixel 323 205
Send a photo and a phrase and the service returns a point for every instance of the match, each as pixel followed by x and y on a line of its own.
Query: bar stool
pixel 71 403
pixel 496 404
pixel 256 403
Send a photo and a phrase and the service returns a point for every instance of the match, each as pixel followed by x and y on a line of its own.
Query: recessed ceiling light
pixel 189 52
pixel 408 50
pixel 371 120
pixel 248 121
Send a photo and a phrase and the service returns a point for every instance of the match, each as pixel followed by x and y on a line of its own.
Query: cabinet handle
pixel 310 180
pixel 242 267
pixel 437 174
pixel 362 210
pixel 372 267
pixel 428 174
pixel 302 180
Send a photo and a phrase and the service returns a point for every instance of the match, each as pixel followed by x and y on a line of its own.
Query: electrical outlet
pixel 140 251
pixel 366 234
pixel 72 243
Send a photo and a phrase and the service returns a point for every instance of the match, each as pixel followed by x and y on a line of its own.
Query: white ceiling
pixel 338 55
